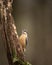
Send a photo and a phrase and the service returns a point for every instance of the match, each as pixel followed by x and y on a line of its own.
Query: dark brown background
pixel 36 17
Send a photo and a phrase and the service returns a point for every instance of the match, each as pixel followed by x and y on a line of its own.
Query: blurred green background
pixel 35 16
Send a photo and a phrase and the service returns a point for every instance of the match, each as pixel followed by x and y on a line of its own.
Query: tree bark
pixel 9 34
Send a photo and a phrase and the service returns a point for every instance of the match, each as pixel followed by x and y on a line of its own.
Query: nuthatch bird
pixel 23 39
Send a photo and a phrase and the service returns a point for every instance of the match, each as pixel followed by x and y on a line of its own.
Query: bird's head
pixel 24 32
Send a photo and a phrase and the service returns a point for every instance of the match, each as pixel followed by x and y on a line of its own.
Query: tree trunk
pixel 9 34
